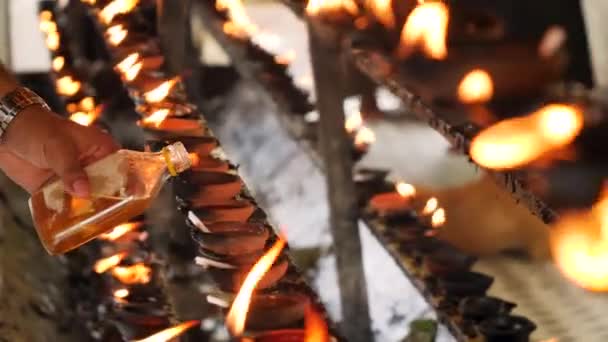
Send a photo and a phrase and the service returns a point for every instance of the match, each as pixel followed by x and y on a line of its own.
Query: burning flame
pixel 315 326
pixel 194 159
pixel 67 86
pixel 405 189
pixel 130 66
pixel 383 11
pixel 135 274
pixel 115 8
pixel 579 244
pixel 331 7
pixel 46 22
pixel 58 63
pixel 132 73
pixel 105 264
pixel 240 25
pixel 438 218
pixel 476 87
pixel 364 137
pixel 156 119
pixel 426 28
pixel 121 293
pixel 430 206
pixel 128 62
pixel 120 230
pixel 161 92
pixel 170 333
pixel 84 118
pixel 353 122
pixel 515 142
pixel 235 320
pixel 116 34
pixel 286 58
pixel 53 40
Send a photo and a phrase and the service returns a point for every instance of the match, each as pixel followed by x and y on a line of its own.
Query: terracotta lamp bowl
pixel 201 188
pixel 176 126
pixel 211 164
pixel 230 280
pixel 275 311
pixel 231 238
pixel 233 210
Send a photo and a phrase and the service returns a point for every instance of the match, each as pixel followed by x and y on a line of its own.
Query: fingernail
pixel 81 188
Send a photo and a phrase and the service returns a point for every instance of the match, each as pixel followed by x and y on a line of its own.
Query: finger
pixel 92 143
pixel 26 175
pixel 61 155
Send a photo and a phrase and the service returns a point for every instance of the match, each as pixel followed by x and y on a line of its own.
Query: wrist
pixel 13 106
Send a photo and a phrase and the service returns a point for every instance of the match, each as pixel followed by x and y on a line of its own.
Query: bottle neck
pixel 176 158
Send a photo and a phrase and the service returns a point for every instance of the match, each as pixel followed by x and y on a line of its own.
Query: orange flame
pixel 115 8
pixel 315 326
pixel 53 40
pixel 132 73
pixel 120 230
pixel 515 142
pixel 353 122
pixel 235 320
pixel 127 63
pixel 170 333
pixel 137 273
pixel 240 25
pixel 46 22
pixel 405 189
pixel 438 218
pixel 67 86
pixel 194 159
pixel 156 119
pixel 286 58
pixel 89 2
pixel 84 118
pixel 382 11
pixel 116 34
pixel 430 206
pixel 476 87
pixel 331 7
pixel 58 63
pixel 105 264
pixel 579 244
pixel 364 137
pixel 161 92
pixel 426 28
pixel 121 293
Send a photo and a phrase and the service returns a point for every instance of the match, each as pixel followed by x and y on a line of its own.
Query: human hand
pixel 39 144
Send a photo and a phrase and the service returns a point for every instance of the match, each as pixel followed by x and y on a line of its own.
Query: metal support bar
pixel 336 150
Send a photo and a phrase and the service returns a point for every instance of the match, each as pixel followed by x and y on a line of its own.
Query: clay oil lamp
pixel 507 328
pixel 447 260
pixel 369 182
pixel 195 189
pixel 230 277
pixel 464 284
pixel 232 210
pixel 161 124
pixel 395 202
pixel 479 308
pixel 231 238
pixel 177 107
pixel 209 164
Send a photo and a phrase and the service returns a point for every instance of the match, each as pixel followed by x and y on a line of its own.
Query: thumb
pixel 62 157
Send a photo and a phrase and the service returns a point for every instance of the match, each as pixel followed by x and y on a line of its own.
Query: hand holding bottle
pixel 39 144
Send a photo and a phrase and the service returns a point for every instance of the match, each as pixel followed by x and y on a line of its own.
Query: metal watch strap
pixel 14 102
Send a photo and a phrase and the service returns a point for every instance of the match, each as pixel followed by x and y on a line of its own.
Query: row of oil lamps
pixel 267 300
pixel 125 268
pixel 407 224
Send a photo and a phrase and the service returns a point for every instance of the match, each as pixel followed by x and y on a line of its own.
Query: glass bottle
pixel 121 186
